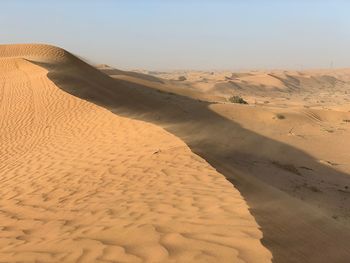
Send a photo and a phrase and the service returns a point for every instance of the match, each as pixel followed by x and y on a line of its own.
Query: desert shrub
pixel 182 78
pixel 280 116
pixel 237 99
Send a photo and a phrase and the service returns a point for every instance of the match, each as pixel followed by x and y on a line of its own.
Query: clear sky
pixel 187 34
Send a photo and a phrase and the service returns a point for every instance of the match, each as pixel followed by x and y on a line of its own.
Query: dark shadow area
pixel 294 230
pixel 113 71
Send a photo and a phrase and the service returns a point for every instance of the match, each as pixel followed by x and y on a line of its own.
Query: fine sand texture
pixel 287 150
pixel 81 184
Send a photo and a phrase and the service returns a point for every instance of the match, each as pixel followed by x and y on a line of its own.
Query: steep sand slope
pixel 293 182
pixel 81 184
pixel 255 137
pixel 288 157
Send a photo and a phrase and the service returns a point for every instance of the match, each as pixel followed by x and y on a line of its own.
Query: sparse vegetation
pixel 237 99
pixel 280 116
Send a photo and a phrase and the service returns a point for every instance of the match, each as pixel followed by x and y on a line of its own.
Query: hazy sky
pixel 180 34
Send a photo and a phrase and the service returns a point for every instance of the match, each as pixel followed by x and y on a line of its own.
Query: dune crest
pixel 35 51
pixel 81 184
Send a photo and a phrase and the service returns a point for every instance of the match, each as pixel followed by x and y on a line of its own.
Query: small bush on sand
pixel 280 116
pixel 237 99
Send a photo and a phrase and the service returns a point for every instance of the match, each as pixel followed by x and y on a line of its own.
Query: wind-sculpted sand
pixel 81 184
pixel 286 150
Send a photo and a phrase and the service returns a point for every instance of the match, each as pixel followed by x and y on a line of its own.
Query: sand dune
pixel 282 87
pixel 287 151
pixel 81 184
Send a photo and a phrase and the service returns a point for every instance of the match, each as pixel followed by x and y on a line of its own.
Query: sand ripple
pixel 80 184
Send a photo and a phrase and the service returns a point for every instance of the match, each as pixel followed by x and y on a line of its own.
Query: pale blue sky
pixel 180 34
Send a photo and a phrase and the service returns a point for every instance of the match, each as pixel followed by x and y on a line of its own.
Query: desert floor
pixel 100 164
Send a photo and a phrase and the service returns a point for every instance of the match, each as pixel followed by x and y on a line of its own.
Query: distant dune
pixel 81 184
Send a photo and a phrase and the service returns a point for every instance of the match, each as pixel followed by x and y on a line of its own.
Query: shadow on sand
pixel 293 230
